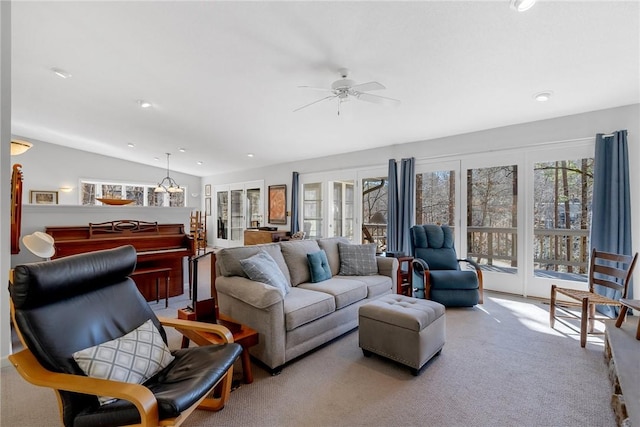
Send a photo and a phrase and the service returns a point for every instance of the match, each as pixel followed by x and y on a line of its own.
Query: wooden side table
pixel 242 334
pixel 405 277
pixel 633 304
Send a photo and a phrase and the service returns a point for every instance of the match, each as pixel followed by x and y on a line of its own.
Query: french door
pixel 493 212
pixel 237 207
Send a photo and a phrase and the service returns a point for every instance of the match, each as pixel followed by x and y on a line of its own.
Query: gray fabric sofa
pixel 310 314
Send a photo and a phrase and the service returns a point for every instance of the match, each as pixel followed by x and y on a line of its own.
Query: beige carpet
pixel 501 366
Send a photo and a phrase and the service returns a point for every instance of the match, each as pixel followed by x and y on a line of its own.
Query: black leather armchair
pixel 73 303
pixel 437 268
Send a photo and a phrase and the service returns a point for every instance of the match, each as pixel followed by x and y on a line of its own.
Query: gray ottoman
pixel 408 330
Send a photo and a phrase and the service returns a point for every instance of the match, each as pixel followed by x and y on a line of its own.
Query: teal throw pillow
pixel 319 266
pixel 261 267
pixel 358 260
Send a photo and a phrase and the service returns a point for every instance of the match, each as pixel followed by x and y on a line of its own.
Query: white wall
pixel 49 167
pixel 5 170
pixel 558 130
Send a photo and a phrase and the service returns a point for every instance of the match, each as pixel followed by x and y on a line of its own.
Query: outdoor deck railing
pixel 552 247
pixel 497 246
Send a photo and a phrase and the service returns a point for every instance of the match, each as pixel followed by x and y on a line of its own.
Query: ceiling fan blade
pixel 324 89
pixel 366 87
pixel 377 99
pixel 314 102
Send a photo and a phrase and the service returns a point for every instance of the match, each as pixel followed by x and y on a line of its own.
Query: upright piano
pixel 158 246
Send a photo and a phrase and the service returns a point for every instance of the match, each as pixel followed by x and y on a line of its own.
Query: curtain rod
pixel 611 134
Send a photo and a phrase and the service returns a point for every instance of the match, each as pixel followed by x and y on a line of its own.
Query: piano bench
pixel 156 273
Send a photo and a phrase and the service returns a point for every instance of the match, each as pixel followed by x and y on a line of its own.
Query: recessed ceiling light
pixel 143 104
pixel 249 154
pixel 131 145
pixel 182 150
pixel 199 163
pixel 156 159
pixel 543 96
pixel 61 73
pixel 522 5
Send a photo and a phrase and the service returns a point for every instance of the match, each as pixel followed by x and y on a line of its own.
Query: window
pixel 142 194
pixel 253 200
pixel 223 214
pixel 435 197
pixel 342 210
pixel 312 210
pixel 374 211
pixel 492 217
pixel 562 217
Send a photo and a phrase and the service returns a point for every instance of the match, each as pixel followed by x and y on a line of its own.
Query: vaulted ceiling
pixel 223 77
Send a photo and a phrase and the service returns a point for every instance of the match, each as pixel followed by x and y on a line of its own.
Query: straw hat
pixel 40 244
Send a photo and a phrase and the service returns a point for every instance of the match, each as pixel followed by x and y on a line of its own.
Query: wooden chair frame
pixel 32 371
pixel 589 299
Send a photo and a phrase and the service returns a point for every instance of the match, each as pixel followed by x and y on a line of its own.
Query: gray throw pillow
pixel 358 260
pixel 263 268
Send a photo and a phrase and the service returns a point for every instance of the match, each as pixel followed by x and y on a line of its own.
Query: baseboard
pixel 4 362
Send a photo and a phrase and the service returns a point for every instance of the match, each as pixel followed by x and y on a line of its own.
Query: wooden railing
pixel 553 247
pixel 498 246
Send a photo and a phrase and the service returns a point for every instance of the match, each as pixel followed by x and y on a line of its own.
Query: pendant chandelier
pixel 168 184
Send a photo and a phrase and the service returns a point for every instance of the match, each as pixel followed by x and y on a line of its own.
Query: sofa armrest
pixel 388 266
pixel 256 294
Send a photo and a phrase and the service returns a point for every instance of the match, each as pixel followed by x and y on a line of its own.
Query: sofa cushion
pixel 358 260
pixel 376 285
pixel 228 259
pixel 345 291
pixel 132 358
pixel 261 267
pixel 330 246
pixel 303 306
pixel 319 266
pixel 295 255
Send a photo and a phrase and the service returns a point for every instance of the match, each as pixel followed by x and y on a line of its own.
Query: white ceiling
pixel 223 77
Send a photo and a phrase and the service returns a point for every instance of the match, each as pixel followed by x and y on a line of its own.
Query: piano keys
pixel 157 245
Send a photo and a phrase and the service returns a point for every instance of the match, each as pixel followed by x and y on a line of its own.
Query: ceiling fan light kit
pixel 522 5
pixel 344 89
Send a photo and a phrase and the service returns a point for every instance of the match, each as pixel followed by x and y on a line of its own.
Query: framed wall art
pixel 278 204
pixel 207 190
pixel 38 197
pixel 207 206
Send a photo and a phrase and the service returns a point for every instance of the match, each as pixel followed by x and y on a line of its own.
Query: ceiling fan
pixel 345 89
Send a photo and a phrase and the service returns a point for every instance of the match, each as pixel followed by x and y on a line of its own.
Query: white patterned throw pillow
pixel 132 358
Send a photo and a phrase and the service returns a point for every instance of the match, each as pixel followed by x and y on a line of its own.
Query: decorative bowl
pixel 116 202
